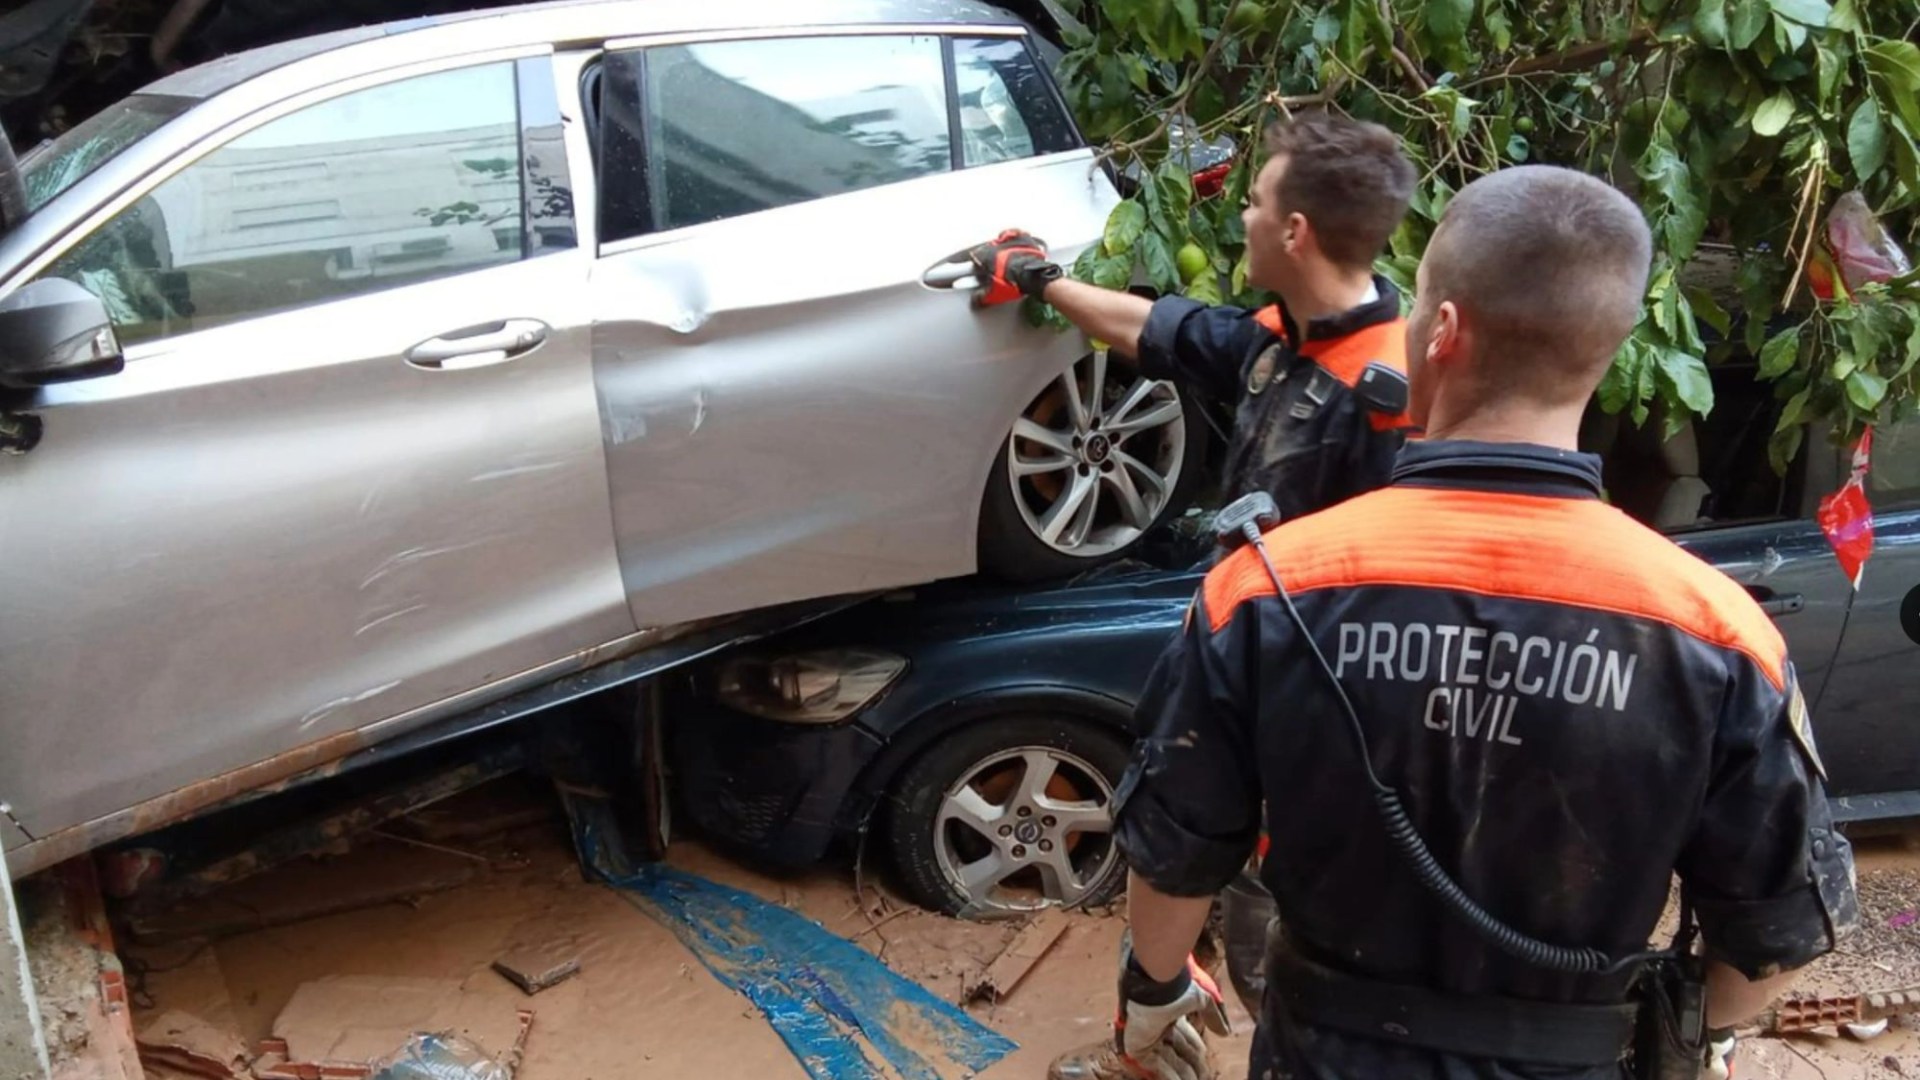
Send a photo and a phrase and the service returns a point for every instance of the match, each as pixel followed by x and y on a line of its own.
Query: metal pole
pixel 23 1045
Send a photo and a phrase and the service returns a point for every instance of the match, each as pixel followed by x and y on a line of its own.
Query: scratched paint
pixel 843 1013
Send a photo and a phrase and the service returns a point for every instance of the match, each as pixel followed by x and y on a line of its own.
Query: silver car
pixel 359 381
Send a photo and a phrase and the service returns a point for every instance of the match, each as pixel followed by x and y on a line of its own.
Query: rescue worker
pixel 1571 708
pixel 1314 423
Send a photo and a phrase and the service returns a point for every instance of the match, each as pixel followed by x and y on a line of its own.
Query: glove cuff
pixel 1139 988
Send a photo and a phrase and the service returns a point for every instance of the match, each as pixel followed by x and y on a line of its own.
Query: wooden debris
pixel 1017 959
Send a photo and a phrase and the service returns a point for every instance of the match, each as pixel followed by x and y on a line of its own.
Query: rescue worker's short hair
pixel 1547 263
pixel 1349 177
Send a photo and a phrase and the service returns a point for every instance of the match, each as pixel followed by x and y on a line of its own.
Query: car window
pixel 740 126
pixel 1893 478
pixel 74 156
pixel 382 187
pixel 1007 109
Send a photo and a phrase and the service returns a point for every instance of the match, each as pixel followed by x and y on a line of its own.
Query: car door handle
pixel 1774 603
pixel 479 346
pixel 949 272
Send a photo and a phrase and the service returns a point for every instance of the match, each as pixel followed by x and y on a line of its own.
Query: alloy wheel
pixel 1096 457
pixel 1026 828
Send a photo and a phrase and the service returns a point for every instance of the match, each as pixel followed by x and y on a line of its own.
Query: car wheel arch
pixel 923 730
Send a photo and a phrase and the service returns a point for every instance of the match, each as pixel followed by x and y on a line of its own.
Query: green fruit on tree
pixel 1524 125
pixel 1248 18
pixel 1192 261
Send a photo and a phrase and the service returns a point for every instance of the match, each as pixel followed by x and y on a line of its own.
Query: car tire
pixel 1031 478
pixel 1072 862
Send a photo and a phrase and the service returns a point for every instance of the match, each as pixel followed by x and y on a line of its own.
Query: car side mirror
pixel 53 331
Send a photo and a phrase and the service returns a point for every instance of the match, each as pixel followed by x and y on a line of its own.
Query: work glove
pixel 1155 1030
pixel 1720 1046
pixel 1010 266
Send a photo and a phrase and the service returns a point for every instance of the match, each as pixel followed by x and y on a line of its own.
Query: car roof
pixel 586 21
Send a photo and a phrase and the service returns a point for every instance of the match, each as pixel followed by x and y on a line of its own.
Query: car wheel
pixel 1010 815
pixel 1094 462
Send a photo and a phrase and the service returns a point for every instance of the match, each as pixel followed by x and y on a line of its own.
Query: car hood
pixel 911 622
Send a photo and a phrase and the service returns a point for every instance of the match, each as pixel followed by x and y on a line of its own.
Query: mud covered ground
pixel 642 1006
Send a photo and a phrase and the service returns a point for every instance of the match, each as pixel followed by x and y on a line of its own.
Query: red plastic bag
pixel 1847 519
pixel 1861 248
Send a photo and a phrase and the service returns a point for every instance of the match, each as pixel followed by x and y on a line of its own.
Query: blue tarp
pixel 842 1012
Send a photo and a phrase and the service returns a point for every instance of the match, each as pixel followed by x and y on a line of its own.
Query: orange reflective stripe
pixel 1346 357
pixel 1493 544
pixel 1269 317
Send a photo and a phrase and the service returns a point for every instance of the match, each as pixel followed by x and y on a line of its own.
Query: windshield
pixel 72 157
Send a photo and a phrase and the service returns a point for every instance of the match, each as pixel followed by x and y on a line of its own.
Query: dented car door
pixel 792 405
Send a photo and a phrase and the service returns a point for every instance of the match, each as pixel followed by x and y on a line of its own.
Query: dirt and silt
pixel 642 1005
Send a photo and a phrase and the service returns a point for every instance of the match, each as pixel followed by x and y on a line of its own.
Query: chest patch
pixel 1262 371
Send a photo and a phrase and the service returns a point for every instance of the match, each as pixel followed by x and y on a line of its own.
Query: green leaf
pixel 1710 23
pixel 1500 27
pixel 1844 18
pixel 1866 390
pixel 1804 12
pixel 1517 147
pixel 1683 221
pixel 1795 406
pixel 1831 68
pixel 1745 22
pixel 1789 36
pixel 1448 20
pixel 1089 260
pixel 1773 115
pixel 1896 66
pixel 1124 227
pixel 1157 255
pixel 1781 350
pixel 1326 27
pixel 1113 271
pixel 1238 281
pixel 1706 307
pixel 1686 375
pixel 1205 288
pixel 1866 139
pixel 1616 388
pixel 1906 160
pixel 1783 446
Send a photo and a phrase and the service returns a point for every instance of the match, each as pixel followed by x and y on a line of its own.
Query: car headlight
pixel 820 687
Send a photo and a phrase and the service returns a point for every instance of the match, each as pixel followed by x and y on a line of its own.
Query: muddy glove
pixel 1012 265
pixel 1155 1030
pixel 1720 1045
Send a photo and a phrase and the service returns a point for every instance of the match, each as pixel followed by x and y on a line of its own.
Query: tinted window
pixel 387 186
pixel 740 126
pixel 1893 479
pixel 1007 109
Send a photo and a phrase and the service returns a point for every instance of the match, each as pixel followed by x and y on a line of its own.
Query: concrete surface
pixel 23 1048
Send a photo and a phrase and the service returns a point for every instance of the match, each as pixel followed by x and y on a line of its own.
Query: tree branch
pixel 1575 59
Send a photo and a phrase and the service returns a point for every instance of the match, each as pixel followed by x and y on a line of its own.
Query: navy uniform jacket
pixel 1572 707
pixel 1301 433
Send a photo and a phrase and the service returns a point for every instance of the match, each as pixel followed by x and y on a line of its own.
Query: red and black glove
pixel 1010 266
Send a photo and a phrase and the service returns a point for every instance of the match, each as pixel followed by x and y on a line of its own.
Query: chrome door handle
pixel 479 346
pixel 1777 604
pixel 949 272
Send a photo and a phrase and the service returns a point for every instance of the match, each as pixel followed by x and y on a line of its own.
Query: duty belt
pixel 1506 1029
